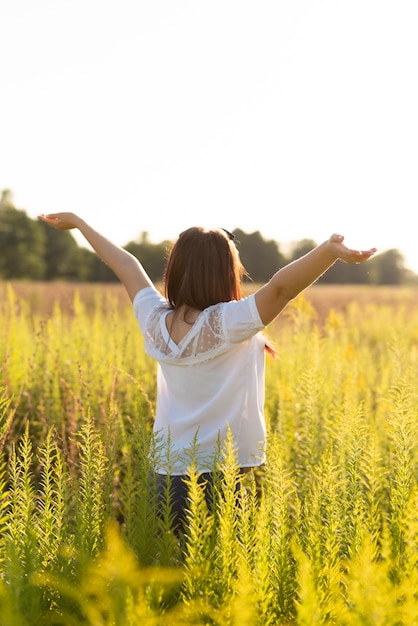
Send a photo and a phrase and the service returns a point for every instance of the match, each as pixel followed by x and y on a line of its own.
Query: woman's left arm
pixel 126 267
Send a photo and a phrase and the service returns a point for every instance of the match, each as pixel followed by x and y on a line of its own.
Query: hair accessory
pixel 230 235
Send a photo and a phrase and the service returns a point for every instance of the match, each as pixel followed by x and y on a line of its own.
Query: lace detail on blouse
pixel 205 339
pixel 216 330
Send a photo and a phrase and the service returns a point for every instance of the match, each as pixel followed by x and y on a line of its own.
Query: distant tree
pixel 6 199
pixel 386 268
pixel 261 258
pixel 21 243
pixel 348 274
pixel 96 269
pixel 32 250
pixel 61 254
pixel 300 248
pixel 389 268
pixel 152 255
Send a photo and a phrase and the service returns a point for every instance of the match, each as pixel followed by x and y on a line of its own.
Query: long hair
pixel 203 268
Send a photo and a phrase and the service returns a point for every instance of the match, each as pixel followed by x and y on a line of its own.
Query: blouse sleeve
pixel 241 319
pixel 145 302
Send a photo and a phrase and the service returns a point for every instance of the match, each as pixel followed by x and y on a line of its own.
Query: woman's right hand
pixel 348 255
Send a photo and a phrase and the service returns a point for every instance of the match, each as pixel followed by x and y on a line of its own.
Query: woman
pixel 208 343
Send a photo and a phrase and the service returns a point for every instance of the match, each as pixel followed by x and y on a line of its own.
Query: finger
pixel 48 218
pixel 363 255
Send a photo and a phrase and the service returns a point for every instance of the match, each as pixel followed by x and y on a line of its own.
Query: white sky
pixel 297 118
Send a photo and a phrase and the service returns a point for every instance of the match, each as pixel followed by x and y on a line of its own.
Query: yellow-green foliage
pixel 327 534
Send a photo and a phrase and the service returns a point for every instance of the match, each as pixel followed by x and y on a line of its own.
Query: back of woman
pixel 211 382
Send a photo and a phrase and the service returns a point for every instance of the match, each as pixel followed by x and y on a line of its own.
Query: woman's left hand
pixel 61 221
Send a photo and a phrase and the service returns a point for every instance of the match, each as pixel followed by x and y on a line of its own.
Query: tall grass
pixel 327 534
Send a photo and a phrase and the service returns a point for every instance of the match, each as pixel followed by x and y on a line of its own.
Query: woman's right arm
pixel 292 279
pixel 126 267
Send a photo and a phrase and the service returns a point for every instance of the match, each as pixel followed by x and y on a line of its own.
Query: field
pixel 328 534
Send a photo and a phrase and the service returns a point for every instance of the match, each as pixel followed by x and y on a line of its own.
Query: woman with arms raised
pixel 208 342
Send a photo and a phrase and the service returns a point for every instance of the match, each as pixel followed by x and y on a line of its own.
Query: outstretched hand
pixel 124 264
pixel 61 221
pixel 348 255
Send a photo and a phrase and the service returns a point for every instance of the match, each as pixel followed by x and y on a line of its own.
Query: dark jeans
pixel 177 488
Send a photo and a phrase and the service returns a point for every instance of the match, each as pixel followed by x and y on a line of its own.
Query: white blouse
pixel 209 385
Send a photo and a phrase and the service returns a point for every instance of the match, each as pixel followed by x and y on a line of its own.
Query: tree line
pixel 31 250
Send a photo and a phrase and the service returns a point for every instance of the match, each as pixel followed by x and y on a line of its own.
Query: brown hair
pixel 203 268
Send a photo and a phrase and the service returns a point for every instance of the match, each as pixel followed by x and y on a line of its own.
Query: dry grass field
pixel 42 296
pixel 328 537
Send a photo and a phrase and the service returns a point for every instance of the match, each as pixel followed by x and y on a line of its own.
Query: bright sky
pixel 297 118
